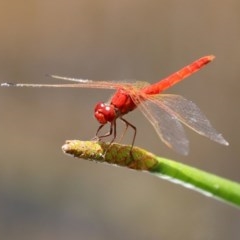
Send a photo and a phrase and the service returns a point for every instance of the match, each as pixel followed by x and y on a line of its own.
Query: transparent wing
pixel 167 126
pixel 189 114
pixel 82 83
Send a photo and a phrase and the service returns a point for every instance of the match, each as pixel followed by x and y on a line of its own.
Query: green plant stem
pixel 206 183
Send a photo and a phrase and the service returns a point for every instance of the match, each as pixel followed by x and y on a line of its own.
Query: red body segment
pixel 122 101
pixel 177 76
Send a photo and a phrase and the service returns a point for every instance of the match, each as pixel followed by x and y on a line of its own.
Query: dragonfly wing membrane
pixel 168 128
pixel 81 83
pixel 190 115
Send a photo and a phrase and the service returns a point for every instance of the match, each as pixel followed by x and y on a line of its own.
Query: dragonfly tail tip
pixel 211 57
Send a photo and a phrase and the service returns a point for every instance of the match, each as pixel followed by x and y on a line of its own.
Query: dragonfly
pixel 166 112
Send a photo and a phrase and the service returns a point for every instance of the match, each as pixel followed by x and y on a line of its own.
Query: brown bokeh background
pixel 44 194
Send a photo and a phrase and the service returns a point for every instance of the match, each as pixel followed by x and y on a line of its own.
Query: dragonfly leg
pixel 96 137
pixel 113 129
pixel 109 133
pixel 134 135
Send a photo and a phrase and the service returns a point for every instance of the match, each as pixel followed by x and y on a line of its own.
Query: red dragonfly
pixel 166 112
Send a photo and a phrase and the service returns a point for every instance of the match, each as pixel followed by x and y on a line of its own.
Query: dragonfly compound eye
pixel 104 112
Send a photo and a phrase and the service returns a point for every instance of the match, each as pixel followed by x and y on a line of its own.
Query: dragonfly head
pixel 104 112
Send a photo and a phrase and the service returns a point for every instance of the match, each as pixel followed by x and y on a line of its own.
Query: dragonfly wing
pixel 167 126
pixel 83 83
pixel 189 114
pixel 128 85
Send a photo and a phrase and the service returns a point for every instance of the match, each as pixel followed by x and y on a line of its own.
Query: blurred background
pixel 45 194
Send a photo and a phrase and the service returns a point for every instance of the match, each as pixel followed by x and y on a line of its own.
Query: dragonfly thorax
pixel 105 112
